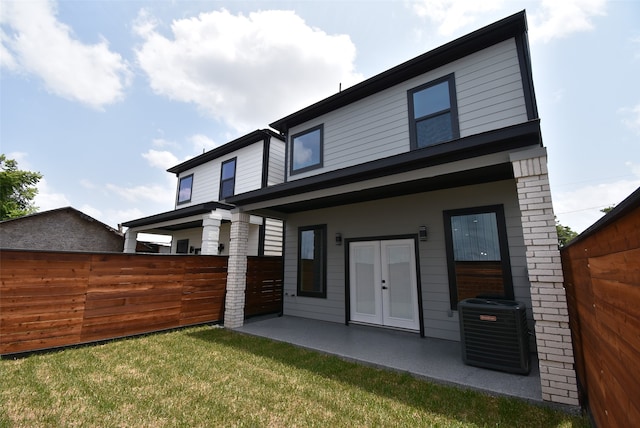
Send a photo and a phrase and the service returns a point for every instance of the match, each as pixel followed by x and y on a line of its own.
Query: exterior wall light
pixel 338 238
pixel 422 233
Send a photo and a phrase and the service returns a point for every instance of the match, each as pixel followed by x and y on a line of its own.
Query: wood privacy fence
pixel 52 299
pixel 602 280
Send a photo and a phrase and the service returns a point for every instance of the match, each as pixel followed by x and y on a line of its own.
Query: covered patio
pixel 432 359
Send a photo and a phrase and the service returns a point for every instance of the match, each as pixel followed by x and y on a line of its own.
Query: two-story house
pixel 415 189
pixel 200 222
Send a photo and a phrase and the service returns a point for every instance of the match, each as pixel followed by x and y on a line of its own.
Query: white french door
pixel 383 283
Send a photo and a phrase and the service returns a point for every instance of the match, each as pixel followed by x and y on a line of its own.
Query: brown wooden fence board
pixel 602 278
pixel 52 299
pixel 263 293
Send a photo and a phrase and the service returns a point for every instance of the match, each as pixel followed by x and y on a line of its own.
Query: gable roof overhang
pixel 514 26
pixel 239 143
pixel 315 191
pixel 171 220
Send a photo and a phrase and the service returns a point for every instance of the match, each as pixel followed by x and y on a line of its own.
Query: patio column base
pixel 237 270
pixel 548 296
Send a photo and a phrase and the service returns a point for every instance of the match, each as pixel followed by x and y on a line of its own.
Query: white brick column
pixel 237 270
pixel 211 234
pixel 548 297
pixel 130 238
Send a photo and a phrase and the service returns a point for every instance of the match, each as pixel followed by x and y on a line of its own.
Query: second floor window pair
pixel 433 119
pixel 227 183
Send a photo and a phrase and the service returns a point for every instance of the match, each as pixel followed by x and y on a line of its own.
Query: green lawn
pixel 209 376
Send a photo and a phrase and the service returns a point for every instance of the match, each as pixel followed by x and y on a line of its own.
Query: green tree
pixel 17 189
pixel 565 234
pixel 606 210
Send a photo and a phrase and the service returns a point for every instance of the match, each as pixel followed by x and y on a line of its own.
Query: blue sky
pixel 102 97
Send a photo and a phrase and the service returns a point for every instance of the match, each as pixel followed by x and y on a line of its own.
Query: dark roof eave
pixel 513 137
pixel 494 33
pixel 238 143
pixel 178 214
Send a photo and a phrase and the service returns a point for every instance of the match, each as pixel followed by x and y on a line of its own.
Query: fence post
pixel 237 270
pixel 548 296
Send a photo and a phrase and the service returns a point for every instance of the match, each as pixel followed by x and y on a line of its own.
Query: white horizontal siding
pixel 273 230
pixel 276 162
pixel 206 177
pixel 489 96
pixel 400 216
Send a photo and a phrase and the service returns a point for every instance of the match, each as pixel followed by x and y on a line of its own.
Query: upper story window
pixel 184 189
pixel 306 150
pixel 433 113
pixel 227 178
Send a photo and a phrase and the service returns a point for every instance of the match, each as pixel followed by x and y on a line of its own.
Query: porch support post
pixel 130 238
pixel 548 297
pixel 211 234
pixel 237 270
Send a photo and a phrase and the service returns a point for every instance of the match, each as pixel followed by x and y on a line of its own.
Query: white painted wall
pixel 489 95
pixel 400 216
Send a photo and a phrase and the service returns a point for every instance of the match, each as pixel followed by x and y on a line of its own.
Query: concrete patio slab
pixel 433 359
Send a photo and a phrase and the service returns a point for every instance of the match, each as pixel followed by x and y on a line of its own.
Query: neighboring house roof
pixel 178 214
pixel 253 137
pixel 631 203
pixel 61 229
pixel 512 26
pixel 71 210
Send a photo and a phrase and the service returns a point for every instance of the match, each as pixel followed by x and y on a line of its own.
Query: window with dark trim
pixel 227 178
pixel 182 246
pixel 312 261
pixel 477 254
pixel 307 150
pixel 433 113
pixel 184 189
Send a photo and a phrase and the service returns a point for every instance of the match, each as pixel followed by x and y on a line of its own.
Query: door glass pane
pixel 399 263
pixel 365 287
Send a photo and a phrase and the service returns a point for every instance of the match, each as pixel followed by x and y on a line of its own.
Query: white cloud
pixel 244 70
pixel 632 118
pixel 202 143
pixel 87 184
pixel 160 159
pixel 452 15
pixel 48 199
pixel 40 45
pixel 154 193
pixel 580 208
pixel 557 19
pixel 161 143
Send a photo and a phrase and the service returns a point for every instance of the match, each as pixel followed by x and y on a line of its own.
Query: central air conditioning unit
pixel 494 334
